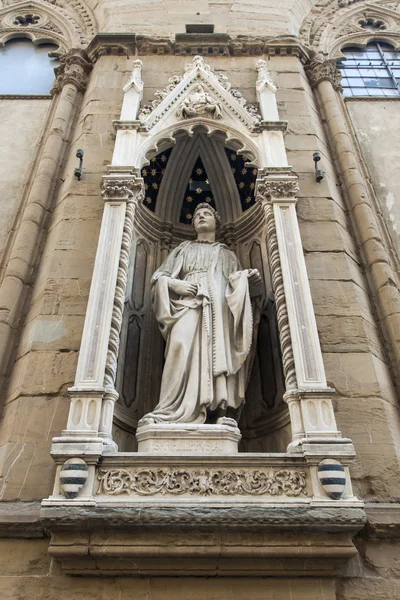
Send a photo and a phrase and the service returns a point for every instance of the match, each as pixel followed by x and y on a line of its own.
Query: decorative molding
pixel 132 191
pixel 277 188
pixel 139 45
pixel 75 68
pixel 202 482
pixel 288 364
pixel 323 70
pixel 119 299
pixel 121 189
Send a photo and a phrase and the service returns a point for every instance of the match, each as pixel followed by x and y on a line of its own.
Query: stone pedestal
pixel 160 438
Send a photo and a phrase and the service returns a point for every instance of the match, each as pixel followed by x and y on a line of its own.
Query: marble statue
pixel 199 102
pixel 202 302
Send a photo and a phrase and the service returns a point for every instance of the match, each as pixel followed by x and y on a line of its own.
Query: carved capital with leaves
pixel 125 189
pixel 276 188
pixel 75 69
pixel 323 70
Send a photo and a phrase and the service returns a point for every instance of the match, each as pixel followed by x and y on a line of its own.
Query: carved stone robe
pixel 208 337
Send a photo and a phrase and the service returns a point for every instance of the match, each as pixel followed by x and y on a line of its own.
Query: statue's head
pixel 205 218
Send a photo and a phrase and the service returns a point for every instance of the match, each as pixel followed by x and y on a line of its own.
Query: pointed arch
pixel 330 26
pixel 70 26
pixel 179 169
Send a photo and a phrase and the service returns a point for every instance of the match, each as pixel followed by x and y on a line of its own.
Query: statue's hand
pixel 254 276
pixel 182 288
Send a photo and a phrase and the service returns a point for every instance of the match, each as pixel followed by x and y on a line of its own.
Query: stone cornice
pixel 131 44
pixel 323 70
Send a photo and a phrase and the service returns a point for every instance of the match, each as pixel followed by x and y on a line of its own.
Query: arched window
pixel 372 71
pixel 26 69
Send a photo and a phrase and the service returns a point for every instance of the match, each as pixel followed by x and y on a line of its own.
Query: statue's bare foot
pixel 227 421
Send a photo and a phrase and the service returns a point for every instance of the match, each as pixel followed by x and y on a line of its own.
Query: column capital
pixel 75 68
pixel 283 189
pixel 126 188
pixel 323 70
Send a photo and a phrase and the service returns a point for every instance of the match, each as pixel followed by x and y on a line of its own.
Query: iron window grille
pixel 372 71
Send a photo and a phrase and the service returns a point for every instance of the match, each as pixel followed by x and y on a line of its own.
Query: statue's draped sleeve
pixel 165 308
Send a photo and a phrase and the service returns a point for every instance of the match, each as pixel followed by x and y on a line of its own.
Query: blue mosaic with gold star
pixel 152 175
pixel 198 190
pixel 245 178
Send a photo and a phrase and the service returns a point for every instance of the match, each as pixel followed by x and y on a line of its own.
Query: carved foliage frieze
pixel 202 482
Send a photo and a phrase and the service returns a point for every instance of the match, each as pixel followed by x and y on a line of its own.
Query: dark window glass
pixel 374 71
pixel 26 69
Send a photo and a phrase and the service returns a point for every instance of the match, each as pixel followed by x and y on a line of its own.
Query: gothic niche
pixel 198 169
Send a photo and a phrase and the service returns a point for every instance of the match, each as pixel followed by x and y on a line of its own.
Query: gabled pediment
pixel 199 95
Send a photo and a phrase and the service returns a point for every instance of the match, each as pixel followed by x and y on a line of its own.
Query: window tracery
pixel 333 25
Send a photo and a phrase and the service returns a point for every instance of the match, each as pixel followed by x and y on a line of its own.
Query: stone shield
pixel 332 477
pixel 73 476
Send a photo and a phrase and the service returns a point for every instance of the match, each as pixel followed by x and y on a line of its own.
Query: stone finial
pixel 198 62
pixel 264 77
pixel 323 70
pixel 135 79
pixel 75 68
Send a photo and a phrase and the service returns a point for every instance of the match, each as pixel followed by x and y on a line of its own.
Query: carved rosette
pixel 265 191
pixel 75 69
pixel 323 70
pixel 202 482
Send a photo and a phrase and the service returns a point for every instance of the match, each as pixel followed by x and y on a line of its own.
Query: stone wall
pixel 165 19
pixel 21 127
pixel 375 125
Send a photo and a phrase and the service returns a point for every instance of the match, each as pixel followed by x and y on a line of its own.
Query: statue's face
pixel 204 220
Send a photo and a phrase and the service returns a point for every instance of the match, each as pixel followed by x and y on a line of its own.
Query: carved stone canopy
pixel 199 92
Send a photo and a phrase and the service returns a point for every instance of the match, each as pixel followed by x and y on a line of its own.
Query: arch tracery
pixel 333 25
pixel 68 24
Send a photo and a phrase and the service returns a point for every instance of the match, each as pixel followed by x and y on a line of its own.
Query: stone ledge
pixel 383 521
pixel 266 519
pixel 202 541
pixel 20 520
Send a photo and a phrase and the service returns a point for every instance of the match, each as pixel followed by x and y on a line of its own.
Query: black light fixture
pixel 319 175
pixel 78 171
